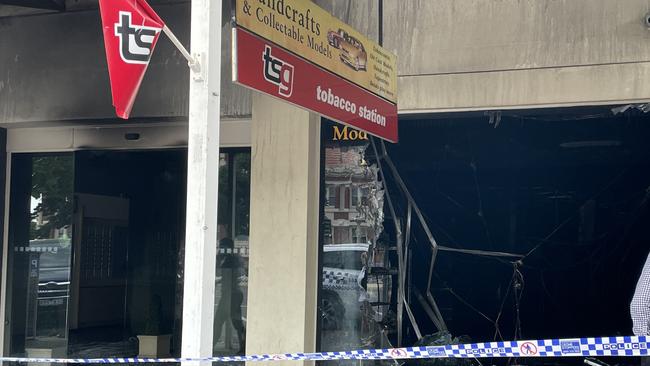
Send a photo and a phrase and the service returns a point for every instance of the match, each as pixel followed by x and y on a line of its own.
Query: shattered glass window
pixel 485 227
pixel 356 281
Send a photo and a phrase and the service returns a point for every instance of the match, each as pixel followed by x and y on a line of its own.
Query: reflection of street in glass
pixel 231 276
pixel 232 297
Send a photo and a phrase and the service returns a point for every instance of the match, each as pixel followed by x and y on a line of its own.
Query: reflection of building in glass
pixel 355 289
pixel 353 196
pixel 96 253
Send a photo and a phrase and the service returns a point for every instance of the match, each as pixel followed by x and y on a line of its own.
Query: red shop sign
pixel 265 67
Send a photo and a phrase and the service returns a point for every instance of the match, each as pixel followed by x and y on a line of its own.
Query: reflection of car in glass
pixel 50 261
pixel 352 52
pixel 342 291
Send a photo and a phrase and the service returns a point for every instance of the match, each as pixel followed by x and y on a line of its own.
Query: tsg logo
pixel 278 72
pixel 136 41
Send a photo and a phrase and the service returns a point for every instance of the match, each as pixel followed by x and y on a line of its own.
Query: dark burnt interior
pixel 567 188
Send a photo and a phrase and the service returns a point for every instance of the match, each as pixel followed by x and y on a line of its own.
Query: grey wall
pixel 451 36
pixel 360 14
pixel 474 54
pixel 53 67
pixel 452 55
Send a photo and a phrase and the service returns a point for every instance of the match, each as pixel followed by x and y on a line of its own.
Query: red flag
pixel 131 30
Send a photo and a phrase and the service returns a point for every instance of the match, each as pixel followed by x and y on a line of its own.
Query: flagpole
pixel 202 179
pixel 191 61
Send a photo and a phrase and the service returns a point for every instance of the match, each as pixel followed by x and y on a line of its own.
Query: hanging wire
pixel 497 331
pixel 516 284
pixel 468 304
pixel 572 216
pixel 515 258
pixel 481 214
pixel 518 287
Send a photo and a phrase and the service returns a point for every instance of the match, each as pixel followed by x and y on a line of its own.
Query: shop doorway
pixel 95 252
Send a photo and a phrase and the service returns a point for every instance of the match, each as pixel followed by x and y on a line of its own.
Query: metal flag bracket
pixel 192 61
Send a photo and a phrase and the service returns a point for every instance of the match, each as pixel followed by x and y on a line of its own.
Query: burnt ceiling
pixel 37 4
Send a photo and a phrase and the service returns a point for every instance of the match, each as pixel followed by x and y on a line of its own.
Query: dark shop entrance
pixel 544 215
pixel 95 252
pixel 567 189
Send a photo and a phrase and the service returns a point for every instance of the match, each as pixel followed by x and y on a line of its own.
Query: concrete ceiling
pixel 38 4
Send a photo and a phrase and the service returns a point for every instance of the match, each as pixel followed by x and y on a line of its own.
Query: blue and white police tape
pixel 571 347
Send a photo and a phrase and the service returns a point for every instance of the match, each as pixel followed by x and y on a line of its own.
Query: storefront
pixel 502 150
pixel 537 218
pixel 94 233
pixel 95 240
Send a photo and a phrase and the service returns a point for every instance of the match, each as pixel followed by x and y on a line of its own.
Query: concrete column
pixel 283 264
